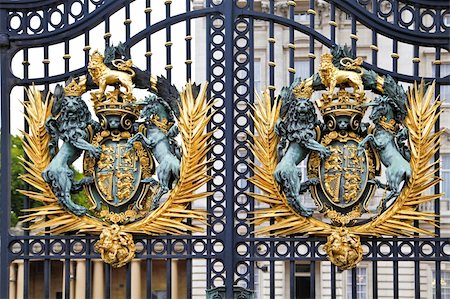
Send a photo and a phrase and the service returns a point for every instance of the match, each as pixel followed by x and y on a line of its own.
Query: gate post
pixel 229 254
pixel 5 161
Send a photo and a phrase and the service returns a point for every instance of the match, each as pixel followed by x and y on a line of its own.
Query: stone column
pixel 136 279
pixel 12 281
pixel 80 280
pixel 174 278
pixel 98 281
pixel 19 281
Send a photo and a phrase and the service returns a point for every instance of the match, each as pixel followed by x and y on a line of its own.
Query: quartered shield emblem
pixel 117 173
pixel 343 174
pixel 121 173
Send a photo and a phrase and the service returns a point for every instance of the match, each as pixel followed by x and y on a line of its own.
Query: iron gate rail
pixel 232 254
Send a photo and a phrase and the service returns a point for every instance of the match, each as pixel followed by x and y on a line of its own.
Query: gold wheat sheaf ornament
pixel 344 247
pixel 116 241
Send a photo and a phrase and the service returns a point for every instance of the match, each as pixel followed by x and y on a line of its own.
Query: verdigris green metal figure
pixel 296 128
pixel 73 126
pixel 387 116
pixel 159 118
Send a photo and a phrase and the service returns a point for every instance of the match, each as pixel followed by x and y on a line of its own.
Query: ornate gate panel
pixel 247 45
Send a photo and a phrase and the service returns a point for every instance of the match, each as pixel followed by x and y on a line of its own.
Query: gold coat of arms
pixel 367 146
pixel 143 159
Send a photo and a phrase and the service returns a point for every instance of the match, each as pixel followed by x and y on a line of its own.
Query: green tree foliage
pixel 16 183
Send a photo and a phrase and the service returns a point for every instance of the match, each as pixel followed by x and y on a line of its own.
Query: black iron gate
pixel 233 254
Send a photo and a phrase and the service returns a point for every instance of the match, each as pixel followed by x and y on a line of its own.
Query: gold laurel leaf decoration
pixel 397 220
pixel 50 215
pixel 264 148
pixel 195 114
pixel 423 113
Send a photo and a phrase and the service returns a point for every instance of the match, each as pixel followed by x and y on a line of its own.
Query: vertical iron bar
pixel 148 40
pixel 67 278
pixel 209 186
pixel 312 273
pixel 272 52
pixel 333 281
pixel 88 269
pixel 128 281
pixel 251 129
pixel 5 89
pixel 107 30
pixel 229 255
pixel 333 22
pixel 374 269
pixel 26 204
pixel 107 286
pixel 168 44
pixel 169 271
pixel 311 38
pixel 291 47
pixel 374 48
pixel 292 278
pixel 395 266
pixel 188 43
pixel 437 187
pixel 354 287
pixel 353 36
pixel 148 273
pixel 47 261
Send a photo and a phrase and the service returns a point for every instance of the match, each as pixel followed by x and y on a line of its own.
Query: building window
pixel 445 89
pixel 301 17
pixel 361 283
pixel 445 187
pixel 445 284
pixel 301 68
pixel 302 281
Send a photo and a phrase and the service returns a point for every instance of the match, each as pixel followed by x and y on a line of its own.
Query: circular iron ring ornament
pixel 343 233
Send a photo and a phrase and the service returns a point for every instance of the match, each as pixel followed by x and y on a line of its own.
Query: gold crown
pixel 304 89
pixel 342 103
pixel 113 103
pixel 75 89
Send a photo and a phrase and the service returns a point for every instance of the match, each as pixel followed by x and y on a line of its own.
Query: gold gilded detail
pixel 123 217
pixel 344 249
pixel 332 76
pixel 343 219
pixel 116 247
pixel 103 75
pixel 75 89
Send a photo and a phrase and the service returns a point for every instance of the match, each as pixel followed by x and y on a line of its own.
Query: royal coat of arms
pixel 367 169
pixel 137 178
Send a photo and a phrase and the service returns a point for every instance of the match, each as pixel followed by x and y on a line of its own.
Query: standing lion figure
pixel 71 122
pixel 297 130
pixel 331 76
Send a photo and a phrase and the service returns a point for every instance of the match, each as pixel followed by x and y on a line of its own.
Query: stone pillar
pixel 19 281
pixel 12 281
pixel 98 281
pixel 136 279
pixel 174 278
pixel 80 280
